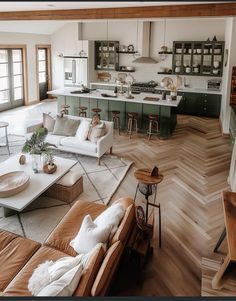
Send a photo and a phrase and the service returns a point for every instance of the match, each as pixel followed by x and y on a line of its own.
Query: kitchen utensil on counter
pixel 108 95
pixel 163 95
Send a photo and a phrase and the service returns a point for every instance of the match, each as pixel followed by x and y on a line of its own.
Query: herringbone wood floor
pixel 195 164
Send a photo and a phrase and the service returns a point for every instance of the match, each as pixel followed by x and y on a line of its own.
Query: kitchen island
pixel 166 109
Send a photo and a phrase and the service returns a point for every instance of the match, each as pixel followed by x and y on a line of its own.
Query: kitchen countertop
pixel 191 90
pixel 138 98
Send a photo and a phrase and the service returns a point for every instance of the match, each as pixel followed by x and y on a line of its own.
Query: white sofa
pixel 73 145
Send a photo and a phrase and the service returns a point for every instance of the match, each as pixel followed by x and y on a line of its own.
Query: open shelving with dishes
pixel 198 58
pixel 106 55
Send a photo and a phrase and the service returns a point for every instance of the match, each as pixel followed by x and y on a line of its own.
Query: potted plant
pixel 174 86
pixel 38 148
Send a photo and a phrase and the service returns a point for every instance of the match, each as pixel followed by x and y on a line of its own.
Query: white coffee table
pixel 39 182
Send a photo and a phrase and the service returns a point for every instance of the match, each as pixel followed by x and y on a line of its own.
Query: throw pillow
pixel 111 216
pixel 97 132
pixel 83 130
pixel 48 122
pixel 65 285
pixel 65 126
pixel 90 235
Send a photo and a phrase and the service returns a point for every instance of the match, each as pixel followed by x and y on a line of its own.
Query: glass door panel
pixel 42 73
pixel 11 78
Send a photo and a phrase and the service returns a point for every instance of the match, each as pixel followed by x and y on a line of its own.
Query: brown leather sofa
pixel 19 256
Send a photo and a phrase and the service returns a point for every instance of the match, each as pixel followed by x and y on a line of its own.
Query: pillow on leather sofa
pixel 65 127
pixel 111 216
pixel 48 122
pixel 90 235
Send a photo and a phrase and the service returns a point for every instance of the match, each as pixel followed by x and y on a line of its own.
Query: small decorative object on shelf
pixel 22 159
pixel 130 48
pixel 214 39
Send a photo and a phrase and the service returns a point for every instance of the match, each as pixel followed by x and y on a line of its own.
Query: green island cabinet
pixel 200 104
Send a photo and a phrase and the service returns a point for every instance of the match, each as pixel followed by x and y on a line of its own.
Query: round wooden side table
pixel 147 185
pixel 4 124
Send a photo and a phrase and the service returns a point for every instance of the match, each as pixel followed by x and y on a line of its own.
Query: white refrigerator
pixel 80 69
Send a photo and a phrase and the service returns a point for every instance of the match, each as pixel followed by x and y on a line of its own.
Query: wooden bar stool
pixel 147 185
pixel 82 111
pixel 132 122
pixel 96 111
pixel 65 109
pixel 116 120
pixel 153 125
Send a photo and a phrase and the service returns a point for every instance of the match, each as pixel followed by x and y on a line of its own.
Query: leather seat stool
pixel 82 111
pixel 153 125
pixel 69 187
pixel 116 120
pixel 132 122
pixel 96 111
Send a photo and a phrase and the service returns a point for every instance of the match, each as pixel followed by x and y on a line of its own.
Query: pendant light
pixel 163 51
pixel 82 52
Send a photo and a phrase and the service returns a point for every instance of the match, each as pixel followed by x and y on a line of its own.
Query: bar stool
pixel 116 120
pixel 65 109
pixel 96 111
pixel 132 122
pixel 82 111
pixel 4 124
pixel 147 185
pixel 153 125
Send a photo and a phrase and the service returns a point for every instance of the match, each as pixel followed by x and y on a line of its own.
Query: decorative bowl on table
pixel 49 168
pixel 12 183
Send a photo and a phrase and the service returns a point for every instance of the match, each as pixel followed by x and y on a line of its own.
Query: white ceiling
pixel 46 5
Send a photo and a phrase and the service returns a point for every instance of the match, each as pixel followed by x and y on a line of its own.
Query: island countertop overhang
pixel 138 98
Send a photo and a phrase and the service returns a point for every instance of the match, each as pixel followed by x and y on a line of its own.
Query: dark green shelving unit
pixel 198 58
pixel 106 55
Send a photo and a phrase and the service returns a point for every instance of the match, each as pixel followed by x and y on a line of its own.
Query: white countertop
pixel 138 98
pixel 193 90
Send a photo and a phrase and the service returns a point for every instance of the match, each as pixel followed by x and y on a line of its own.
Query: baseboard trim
pixel 221 130
pixel 34 102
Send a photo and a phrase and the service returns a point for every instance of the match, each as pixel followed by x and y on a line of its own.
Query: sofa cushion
pixel 127 222
pixel 65 126
pixel 5 238
pixel 90 235
pixel 14 256
pixel 68 228
pixel 83 130
pixel 54 139
pixel 19 285
pixel 89 273
pixel 96 132
pixel 48 122
pixel 79 144
pixel 107 269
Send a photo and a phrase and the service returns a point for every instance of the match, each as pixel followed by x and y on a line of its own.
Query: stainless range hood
pixel 145 44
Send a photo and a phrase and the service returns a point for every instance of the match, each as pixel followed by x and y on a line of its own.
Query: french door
pixel 43 54
pixel 11 78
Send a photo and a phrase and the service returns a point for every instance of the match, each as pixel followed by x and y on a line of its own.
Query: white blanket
pixel 49 273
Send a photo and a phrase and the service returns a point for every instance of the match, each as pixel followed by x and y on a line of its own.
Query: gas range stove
pixel 143 87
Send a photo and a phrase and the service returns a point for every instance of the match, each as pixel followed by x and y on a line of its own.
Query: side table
pixel 4 124
pixel 147 185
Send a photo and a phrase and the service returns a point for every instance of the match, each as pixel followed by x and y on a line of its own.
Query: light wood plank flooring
pixel 195 164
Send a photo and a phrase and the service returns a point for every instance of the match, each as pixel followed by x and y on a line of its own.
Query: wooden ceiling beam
pixel 166 11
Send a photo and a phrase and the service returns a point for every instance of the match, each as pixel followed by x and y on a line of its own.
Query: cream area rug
pixel 41 217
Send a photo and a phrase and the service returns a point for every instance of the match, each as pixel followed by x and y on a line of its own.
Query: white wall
pixel 30 40
pixel 230 44
pixel 125 31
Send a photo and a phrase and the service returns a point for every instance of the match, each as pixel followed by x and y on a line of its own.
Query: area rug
pixel 41 217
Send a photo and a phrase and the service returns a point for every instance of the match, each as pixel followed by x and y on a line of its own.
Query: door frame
pixel 23 47
pixel 49 67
